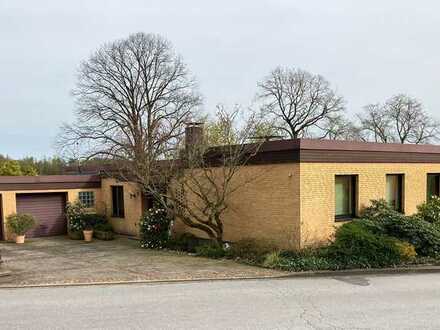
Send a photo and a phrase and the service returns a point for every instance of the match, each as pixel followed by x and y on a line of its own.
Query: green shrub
pixel 307 263
pixel 91 220
pixel 423 235
pixel 273 260
pixel 154 229
pixel 186 242
pixel 430 211
pixel 19 224
pixel 382 220
pixel 213 251
pixel 251 250
pixel 105 227
pixel 355 246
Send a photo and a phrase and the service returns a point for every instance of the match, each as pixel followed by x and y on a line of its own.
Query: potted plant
pixel 103 231
pixel 88 233
pixel 19 224
pixel 88 223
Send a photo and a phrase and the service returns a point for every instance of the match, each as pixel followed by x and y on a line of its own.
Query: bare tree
pixel 340 128
pixel 201 187
pixel 411 123
pixel 133 97
pixel 298 100
pixel 400 119
pixel 376 122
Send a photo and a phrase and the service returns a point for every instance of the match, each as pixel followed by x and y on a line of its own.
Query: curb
pixel 329 274
pixel 369 271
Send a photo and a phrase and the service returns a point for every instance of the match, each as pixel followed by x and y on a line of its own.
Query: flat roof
pixel 336 151
pixel 314 144
pixel 49 182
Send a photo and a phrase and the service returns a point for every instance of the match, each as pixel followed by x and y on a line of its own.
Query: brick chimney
pixel 193 135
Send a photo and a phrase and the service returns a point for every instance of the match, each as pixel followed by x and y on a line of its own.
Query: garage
pixel 49 211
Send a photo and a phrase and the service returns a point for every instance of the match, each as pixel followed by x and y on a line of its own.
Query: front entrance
pixel 48 210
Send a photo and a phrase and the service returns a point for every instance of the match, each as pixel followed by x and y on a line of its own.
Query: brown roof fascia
pixel 48 182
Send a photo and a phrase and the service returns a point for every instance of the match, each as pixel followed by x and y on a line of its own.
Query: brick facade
pixel 318 192
pixel 265 208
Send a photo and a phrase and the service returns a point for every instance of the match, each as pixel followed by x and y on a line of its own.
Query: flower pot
pixel 103 235
pixel 88 235
pixel 19 239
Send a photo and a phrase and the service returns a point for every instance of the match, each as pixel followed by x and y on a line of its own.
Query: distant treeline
pixel 30 166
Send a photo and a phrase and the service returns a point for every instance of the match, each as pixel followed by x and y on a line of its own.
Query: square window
pixel 345 196
pixel 87 198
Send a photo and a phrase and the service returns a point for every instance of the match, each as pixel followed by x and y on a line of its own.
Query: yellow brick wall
pixel 9 202
pixel 318 192
pixel 132 206
pixel 265 208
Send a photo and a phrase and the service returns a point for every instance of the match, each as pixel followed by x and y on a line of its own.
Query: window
pixel 345 196
pixel 118 202
pixel 87 198
pixel 394 191
pixel 433 188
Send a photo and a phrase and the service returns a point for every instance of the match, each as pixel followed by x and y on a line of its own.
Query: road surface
pixel 378 302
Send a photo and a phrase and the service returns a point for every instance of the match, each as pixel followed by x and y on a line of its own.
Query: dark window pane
pixel 118 201
pixel 345 196
pixel 394 191
pixel 433 188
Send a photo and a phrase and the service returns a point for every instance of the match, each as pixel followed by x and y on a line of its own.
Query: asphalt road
pixel 386 302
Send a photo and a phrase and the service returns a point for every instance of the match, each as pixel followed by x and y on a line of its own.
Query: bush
pixel 154 229
pixel 307 263
pixel 75 213
pixel 213 251
pixel 104 227
pixel 355 246
pixel 407 251
pixel 19 224
pixel 430 211
pixel 251 250
pixel 103 231
pixel 382 220
pixel 91 220
pixel 273 260
pixel 186 242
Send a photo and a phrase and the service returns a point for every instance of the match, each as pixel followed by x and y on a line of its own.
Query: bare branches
pixel 340 128
pixel 298 100
pixel 133 97
pixel 200 189
pixel 400 119
pixel 376 123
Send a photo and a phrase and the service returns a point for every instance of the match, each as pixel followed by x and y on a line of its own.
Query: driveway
pixel 58 260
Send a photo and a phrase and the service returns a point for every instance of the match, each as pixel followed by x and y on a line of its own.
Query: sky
pixel 368 50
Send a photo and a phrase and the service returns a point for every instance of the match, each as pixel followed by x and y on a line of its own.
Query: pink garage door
pixel 48 210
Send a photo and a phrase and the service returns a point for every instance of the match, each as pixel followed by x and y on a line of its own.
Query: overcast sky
pixel 368 50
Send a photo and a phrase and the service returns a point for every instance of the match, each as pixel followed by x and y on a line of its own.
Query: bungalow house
pixel 302 189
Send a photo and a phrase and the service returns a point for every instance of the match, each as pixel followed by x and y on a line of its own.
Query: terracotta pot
pixel 19 239
pixel 88 235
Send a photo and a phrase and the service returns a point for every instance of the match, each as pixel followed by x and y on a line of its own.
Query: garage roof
pixel 49 182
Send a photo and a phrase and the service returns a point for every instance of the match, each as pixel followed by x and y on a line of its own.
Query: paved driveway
pixel 58 260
